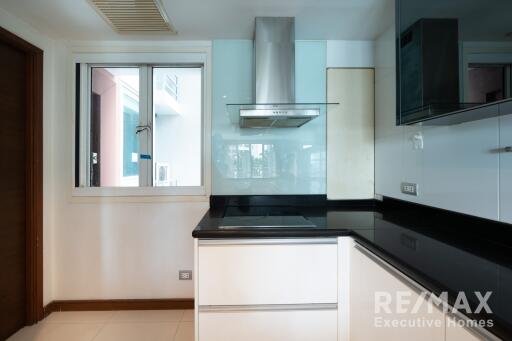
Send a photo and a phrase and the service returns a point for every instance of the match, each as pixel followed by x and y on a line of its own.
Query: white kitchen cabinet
pixel 267 289
pixel 506 163
pixel 371 281
pixel 306 325
pixel 455 332
pixel 251 272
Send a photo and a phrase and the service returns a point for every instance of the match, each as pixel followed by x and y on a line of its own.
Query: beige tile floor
pixel 140 325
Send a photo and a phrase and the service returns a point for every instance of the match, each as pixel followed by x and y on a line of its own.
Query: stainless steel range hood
pixel 275 78
pixel 274 48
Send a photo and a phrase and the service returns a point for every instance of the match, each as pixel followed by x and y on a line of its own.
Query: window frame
pixel 146 62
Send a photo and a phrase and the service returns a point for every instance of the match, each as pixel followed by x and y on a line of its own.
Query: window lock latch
pixel 140 129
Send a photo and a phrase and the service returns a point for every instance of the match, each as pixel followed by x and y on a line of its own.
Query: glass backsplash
pixel 266 161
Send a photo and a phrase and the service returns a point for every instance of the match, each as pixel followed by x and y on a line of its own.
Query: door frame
pixel 34 310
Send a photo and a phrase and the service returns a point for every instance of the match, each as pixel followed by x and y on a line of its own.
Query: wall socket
pixel 409 188
pixel 185 275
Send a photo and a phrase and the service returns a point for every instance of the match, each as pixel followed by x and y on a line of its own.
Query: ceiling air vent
pixel 134 16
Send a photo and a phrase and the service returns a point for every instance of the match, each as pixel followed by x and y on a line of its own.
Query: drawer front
pixel 318 325
pixel 273 273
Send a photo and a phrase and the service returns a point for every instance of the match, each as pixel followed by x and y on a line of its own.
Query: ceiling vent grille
pixel 134 16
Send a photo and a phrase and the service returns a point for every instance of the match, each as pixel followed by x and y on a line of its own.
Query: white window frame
pixel 195 55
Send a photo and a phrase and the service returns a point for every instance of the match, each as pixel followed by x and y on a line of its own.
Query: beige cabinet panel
pixel 350 133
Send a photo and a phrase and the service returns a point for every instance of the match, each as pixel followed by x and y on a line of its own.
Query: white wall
pixel 124 250
pixel 455 170
pixel 116 247
pixel 350 53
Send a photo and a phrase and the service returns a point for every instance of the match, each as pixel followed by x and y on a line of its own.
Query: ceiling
pixel 213 19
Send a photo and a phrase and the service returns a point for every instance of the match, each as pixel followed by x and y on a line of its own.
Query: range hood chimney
pixel 275 78
pixel 274 47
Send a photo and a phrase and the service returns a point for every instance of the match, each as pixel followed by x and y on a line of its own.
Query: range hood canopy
pixel 275 106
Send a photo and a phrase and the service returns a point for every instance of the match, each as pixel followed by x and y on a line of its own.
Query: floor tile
pixel 185 332
pixel 135 331
pixel 58 332
pixel 147 316
pixel 79 317
pixel 188 316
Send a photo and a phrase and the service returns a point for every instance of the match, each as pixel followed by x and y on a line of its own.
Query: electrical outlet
pixel 185 275
pixel 409 188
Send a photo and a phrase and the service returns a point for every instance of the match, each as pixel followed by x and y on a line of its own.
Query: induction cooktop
pixel 266 221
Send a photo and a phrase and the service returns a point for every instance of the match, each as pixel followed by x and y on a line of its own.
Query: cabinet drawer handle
pixel 391 269
pixel 508 149
pixel 296 241
pixel 268 307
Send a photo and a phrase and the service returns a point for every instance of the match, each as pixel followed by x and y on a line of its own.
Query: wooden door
pixel 12 190
pixel 21 72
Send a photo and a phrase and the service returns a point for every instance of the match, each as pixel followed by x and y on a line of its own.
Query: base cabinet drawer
pixel 297 272
pixel 318 325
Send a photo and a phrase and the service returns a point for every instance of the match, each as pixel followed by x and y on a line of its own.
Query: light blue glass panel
pixel 266 161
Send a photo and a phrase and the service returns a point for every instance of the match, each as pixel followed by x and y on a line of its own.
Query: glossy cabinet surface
pixel 268 326
pixel 369 281
pixel 506 163
pixel 456 332
pixel 267 289
pixel 267 274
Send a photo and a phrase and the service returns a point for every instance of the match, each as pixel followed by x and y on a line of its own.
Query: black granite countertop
pixel 443 251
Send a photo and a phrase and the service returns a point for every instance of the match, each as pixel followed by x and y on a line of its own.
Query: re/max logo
pixel 401 302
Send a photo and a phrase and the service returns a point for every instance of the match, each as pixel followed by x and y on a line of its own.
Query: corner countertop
pixel 442 251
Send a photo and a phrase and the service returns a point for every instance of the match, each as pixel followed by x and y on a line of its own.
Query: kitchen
pixel 302 171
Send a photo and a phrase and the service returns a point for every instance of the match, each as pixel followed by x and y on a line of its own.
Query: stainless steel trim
pixel 391 269
pixel 274 47
pixel 477 331
pixel 268 307
pixel 231 227
pixel 278 113
pixel 288 241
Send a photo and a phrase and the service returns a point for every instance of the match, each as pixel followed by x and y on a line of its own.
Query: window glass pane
pixel 114 144
pixel 177 112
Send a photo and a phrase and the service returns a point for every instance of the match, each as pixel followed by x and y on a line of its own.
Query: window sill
pixel 138 192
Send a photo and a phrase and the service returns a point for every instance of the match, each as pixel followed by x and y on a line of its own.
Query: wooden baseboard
pixel 129 304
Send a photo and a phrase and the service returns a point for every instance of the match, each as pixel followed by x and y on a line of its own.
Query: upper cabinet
pixel 506 162
pixel 453 57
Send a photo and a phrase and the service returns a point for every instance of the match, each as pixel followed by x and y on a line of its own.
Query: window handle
pixel 140 129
